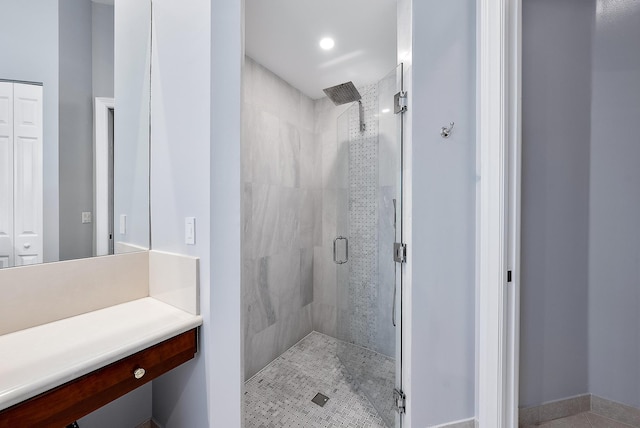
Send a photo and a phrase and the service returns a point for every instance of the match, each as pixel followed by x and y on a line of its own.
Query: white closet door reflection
pixel 6 175
pixel 21 215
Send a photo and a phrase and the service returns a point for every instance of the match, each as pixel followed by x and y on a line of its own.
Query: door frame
pixel 499 118
pixel 101 174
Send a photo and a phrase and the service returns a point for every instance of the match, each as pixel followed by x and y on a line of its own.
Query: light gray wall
pixel 35 59
pixel 131 89
pixel 226 54
pixel 76 128
pixel 197 59
pixel 127 411
pixel 181 181
pixel 556 99
pixel 614 235
pixel 442 250
pixel 102 42
pixel 282 223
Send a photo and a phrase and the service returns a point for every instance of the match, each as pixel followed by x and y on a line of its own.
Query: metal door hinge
pixel 399 401
pixel 400 252
pixel 400 102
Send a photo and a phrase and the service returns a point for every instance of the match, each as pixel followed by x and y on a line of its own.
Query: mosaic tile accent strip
pixel 359 326
pixel 279 396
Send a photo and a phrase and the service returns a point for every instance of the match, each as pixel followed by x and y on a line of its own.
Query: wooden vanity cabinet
pixel 61 406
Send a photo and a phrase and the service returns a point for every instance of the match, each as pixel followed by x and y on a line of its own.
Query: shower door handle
pixel 346 250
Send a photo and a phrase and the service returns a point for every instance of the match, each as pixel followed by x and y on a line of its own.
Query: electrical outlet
pixel 86 217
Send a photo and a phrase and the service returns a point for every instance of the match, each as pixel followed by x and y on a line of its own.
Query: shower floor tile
pixel 279 396
pixel 376 374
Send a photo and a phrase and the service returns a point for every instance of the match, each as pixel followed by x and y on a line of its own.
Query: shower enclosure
pixel 368 224
pixel 321 289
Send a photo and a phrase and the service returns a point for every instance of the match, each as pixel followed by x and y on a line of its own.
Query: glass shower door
pixel 368 224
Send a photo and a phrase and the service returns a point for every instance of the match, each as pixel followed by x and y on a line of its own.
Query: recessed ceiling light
pixel 327 43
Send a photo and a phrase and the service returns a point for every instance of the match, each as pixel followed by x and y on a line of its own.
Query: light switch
pixel 123 224
pixel 86 217
pixel 190 230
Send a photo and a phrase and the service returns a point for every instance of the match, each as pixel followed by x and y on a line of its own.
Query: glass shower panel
pixel 368 204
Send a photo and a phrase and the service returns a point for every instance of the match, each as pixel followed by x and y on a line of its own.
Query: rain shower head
pixel 346 93
pixel 343 93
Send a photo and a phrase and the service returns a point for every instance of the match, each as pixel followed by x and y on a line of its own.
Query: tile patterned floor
pixel 583 420
pixel 376 376
pixel 279 396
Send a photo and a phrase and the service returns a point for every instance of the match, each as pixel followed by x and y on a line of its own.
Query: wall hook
pixel 446 132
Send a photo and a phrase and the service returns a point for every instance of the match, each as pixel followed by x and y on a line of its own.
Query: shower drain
pixel 320 399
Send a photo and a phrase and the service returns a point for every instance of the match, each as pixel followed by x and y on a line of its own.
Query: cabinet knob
pixel 139 372
pixel 27 245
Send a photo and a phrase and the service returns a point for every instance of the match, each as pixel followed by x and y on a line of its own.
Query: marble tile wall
pixel 282 215
pixel 334 155
pixel 299 194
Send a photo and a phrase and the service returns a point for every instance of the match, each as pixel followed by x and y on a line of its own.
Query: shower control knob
pixel 139 372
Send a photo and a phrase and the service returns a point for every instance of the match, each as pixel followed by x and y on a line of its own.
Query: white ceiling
pixel 283 36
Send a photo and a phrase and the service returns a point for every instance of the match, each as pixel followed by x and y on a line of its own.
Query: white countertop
pixel 37 359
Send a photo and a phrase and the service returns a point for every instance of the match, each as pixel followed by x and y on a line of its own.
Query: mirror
pixel 74 129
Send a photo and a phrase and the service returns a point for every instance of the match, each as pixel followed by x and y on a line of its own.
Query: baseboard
pixel 148 424
pixel 554 410
pixel 566 407
pixel 616 411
